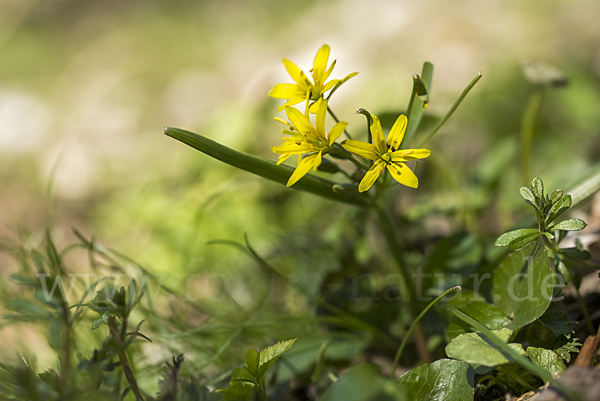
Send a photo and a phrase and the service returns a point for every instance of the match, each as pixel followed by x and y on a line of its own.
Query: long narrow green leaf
pixel 457 103
pixel 418 101
pixel 265 168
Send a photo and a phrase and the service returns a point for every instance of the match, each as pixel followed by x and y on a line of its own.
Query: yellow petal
pixel 300 121
pixel 377 133
pixel 303 167
pixel 291 102
pixel 403 174
pixel 330 85
pixel 363 149
pixel 371 176
pixel 321 114
pixel 336 131
pixel 320 64
pixel 330 70
pixel 397 132
pixel 296 73
pixel 285 91
pixel 317 160
pixel 410 154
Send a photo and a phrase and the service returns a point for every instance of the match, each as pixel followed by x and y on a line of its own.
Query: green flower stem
pixel 414 324
pixel 520 359
pixel 389 232
pixel 337 120
pixel 527 130
pixel 458 101
pixel 338 150
pixel 118 338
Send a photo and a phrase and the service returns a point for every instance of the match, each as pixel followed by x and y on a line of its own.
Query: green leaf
pixel 237 392
pixel 239 375
pixel 420 99
pixel 265 168
pixel 517 239
pixel 252 361
pixel 565 351
pixel 478 349
pixel 522 285
pixel 27 307
pixel 528 195
pixel 488 315
pixel 269 355
pixel 23 280
pixel 364 383
pixel 96 323
pixel 546 359
pixel 445 379
pixel 531 288
pixel 537 187
pixel 558 208
pixel 557 320
pixel 556 196
pixel 570 225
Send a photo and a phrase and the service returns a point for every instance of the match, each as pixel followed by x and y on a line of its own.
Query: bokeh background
pixel 86 88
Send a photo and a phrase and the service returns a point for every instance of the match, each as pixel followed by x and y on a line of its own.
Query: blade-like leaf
pixel 419 101
pixel 265 168
pixel 518 238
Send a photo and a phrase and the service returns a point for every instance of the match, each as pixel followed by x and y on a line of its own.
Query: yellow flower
pixel 304 89
pixel 306 139
pixel 386 154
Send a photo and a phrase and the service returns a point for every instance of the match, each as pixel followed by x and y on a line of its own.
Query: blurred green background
pixel 86 88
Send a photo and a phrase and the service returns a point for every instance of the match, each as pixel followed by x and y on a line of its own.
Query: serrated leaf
pixel 557 320
pixel 252 361
pixel 528 195
pixel 537 187
pixel 364 383
pixel 517 239
pixel 546 359
pixel 265 168
pixel 570 225
pixel 445 379
pixel 558 208
pixel 478 349
pixel 269 355
pixel 565 351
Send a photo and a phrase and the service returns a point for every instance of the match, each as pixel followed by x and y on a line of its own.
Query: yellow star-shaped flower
pixel 304 89
pixel 386 154
pixel 306 139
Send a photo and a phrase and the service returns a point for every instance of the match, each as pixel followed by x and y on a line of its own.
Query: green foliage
pixel 251 377
pixel 444 379
pixel 364 383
